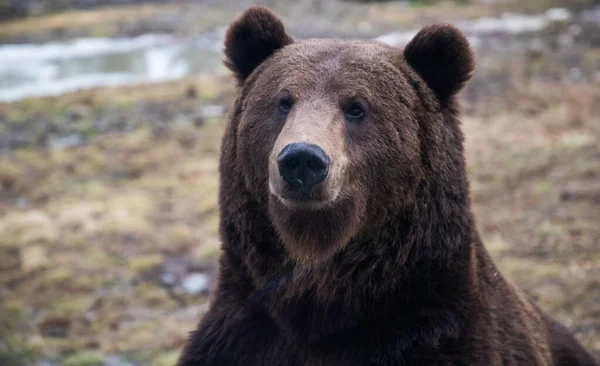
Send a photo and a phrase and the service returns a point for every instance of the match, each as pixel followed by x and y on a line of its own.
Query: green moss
pixel 209 251
pixel 62 346
pixel 145 262
pixel 57 276
pixel 178 237
pixel 212 225
pixel 575 140
pixel 166 359
pixel 96 259
pixel 32 159
pixel 138 336
pixel 12 178
pixel 84 127
pixel 73 240
pixel 15 348
pixel 19 354
pixel 545 187
pixel 151 294
pixel 85 358
pixel 70 305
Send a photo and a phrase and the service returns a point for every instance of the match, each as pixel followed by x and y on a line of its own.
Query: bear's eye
pixel 285 105
pixel 355 112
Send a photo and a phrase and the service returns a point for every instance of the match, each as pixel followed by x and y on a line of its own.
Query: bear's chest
pixel 374 345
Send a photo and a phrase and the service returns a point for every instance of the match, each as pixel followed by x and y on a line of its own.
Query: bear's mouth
pixel 315 199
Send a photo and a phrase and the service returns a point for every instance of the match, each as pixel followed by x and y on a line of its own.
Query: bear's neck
pixel 415 268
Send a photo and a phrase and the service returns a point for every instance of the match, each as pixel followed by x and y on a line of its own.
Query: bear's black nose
pixel 303 165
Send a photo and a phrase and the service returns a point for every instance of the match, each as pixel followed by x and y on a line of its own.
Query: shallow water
pixel 28 70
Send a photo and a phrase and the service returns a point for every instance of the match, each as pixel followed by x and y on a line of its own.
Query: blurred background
pixel 111 113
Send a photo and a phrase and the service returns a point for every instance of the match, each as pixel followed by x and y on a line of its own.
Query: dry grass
pixel 83 18
pixel 187 19
pixel 534 162
pixel 87 230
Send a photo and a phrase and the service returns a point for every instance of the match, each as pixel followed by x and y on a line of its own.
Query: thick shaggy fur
pixel 391 271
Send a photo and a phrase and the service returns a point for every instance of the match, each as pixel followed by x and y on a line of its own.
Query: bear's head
pixel 338 138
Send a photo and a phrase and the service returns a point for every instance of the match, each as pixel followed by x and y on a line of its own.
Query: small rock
pixel 191 92
pixel 56 327
pixel 46 363
pixel 188 140
pixel 11 259
pixel 589 192
pixel 199 121
pixel 62 142
pixel 22 203
pixel 173 270
pixel 575 74
pixel 89 317
pixel 211 111
pixel 115 360
pixel 168 279
pixel 575 30
pixel 78 111
pixel 195 283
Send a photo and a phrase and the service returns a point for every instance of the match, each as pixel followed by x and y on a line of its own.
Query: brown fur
pixel 384 266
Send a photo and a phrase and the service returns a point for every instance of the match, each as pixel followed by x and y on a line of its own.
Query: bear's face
pixel 328 135
pixel 319 133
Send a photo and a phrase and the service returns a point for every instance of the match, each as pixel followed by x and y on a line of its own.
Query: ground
pixel 108 209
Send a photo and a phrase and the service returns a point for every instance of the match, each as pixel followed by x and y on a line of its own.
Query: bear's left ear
pixel 251 39
pixel 442 56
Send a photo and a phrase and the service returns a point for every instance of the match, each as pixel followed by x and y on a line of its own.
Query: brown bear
pixel 348 236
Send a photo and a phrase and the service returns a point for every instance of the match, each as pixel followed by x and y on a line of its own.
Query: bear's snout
pixel 302 166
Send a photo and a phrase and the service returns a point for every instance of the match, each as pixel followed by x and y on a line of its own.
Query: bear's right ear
pixel 441 54
pixel 251 39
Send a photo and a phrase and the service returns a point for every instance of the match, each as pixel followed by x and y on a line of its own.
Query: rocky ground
pixel 108 213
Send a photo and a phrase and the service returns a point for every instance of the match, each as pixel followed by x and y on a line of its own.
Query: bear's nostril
pixel 303 165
